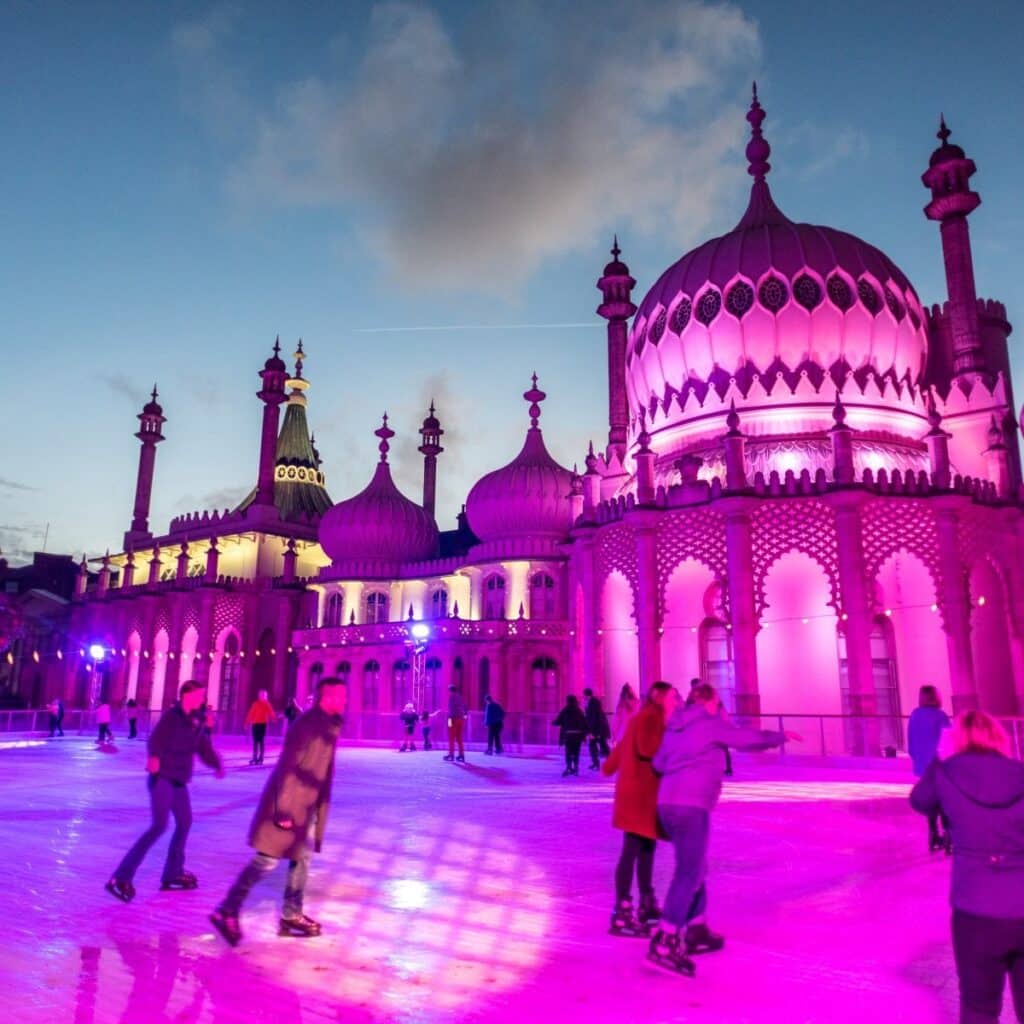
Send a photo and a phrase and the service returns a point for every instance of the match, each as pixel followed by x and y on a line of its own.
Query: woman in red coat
pixel 636 809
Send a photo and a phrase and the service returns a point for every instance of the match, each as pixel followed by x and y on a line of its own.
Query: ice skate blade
pixel 125 894
pixel 679 966
pixel 291 932
pixel 630 933
pixel 703 949
pixel 230 937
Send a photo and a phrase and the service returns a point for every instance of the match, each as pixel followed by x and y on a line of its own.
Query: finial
pixel 839 412
pixel 758 149
pixel 431 407
pixel 732 421
pixel 943 133
pixel 616 251
pixel 154 396
pixel 591 460
pixel 277 345
pixel 643 437
pixel 384 432
pixel 300 355
pixel 995 433
pixel 534 396
pixel 934 416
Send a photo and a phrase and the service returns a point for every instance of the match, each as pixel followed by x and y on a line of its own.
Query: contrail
pixel 466 327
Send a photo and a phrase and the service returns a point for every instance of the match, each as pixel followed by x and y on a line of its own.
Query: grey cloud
pixel 461 175
pixel 122 385
pixel 225 497
pixel 14 485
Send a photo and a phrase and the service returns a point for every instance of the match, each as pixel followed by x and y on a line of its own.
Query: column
pixel 955 604
pixel 648 619
pixel 742 603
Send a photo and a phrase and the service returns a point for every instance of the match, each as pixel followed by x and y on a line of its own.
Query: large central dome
pixel 773 297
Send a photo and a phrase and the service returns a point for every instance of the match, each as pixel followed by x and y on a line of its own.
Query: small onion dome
pixel 153 407
pixel 616 268
pixel 275 362
pixel 947 150
pixel 528 498
pixel 379 523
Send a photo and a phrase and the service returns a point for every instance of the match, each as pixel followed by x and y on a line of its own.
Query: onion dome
pixel 947 150
pixel 379 524
pixel 153 407
pixel 275 363
pixel 527 500
pixel 773 297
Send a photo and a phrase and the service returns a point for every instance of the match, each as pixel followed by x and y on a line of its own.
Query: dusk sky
pixel 426 194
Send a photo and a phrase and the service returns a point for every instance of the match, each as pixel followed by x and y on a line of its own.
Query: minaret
pixel 151 419
pixel 616 284
pixel 948 176
pixel 274 374
pixel 430 449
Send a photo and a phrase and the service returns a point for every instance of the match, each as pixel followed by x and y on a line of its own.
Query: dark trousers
pixel 689 830
pixel 133 728
pixel 598 748
pixel 987 949
pixel 165 798
pixel 104 732
pixel 259 735
pixel 56 729
pixel 257 869
pixel 455 727
pixel 573 743
pixel 637 856
pixel 494 739
pixel 426 738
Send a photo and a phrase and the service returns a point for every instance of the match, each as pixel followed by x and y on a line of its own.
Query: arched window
pixel 887 692
pixel 335 609
pixel 717 661
pixel 316 673
pixel 544 685
pixel 439 604
pixel 494 597
pixel 343 670
pixel 376 607
pixel 429 701
pixel 483 680
pixel 401 684
pixel 371 685
pixel 458 673
pixel 228 696
pixel 542 596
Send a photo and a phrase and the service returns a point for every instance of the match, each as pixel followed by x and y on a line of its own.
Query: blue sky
pixel 182 182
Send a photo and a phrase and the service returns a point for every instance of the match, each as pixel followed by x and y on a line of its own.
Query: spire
pixel 431 433
pixel 385 433
pixel 761 209
pixel 534 396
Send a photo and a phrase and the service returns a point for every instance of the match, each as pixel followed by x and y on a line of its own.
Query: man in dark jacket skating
pixel 178 737
pixel 598 729
pixel 294 801
pixel 494 719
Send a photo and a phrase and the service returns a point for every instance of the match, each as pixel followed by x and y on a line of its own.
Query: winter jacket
pixel 924 730
pixel 261 712
pixel 571 721
pixel 409 718
pixel 636 788
pixel 597 720
pixel 176 740
pixel 456 706
pixel 494 713
pixel 691 758
pixel 299 788
pixel 623 716
pixel 103 714
pixel 982 796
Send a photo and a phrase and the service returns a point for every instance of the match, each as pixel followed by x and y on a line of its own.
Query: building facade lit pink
pixel 810 495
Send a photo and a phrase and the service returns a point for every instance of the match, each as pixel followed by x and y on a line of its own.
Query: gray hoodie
pixel 982 795
pixel 691 758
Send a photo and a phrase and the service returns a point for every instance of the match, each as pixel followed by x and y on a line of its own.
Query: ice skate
pixel 664 952
pixel 449 757
pixel 124 891
pixel 935 841
pixel 227 925
pixel 186 880
pixel 461 759
pixel 649 913
pixel 699 938
pixel 301 927
pixel 625 922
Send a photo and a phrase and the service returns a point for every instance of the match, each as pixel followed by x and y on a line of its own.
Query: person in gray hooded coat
pixel 980 790
pixel 691 762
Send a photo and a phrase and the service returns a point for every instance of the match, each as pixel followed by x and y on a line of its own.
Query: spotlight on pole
pixel 97 652
pixel 420 631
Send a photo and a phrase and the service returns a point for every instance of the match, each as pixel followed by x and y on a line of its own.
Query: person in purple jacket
pixel 924 731
pixel 980 790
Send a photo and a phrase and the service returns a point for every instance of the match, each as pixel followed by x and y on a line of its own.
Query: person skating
pixel 178 738
pixel 260 714
pixel 408 717
pixel 56 710
pixel 598 729
pixel 694 683
pixel 494 720
pixel 625 709
pixel 691 763
pixel 924 731
pixel 980 790
pixel 635 810
pixel 572 724
pixel 104 735
pixel 425 728
pixel 294 803
pixel 292 711
pixel 456 725
pixel 131 712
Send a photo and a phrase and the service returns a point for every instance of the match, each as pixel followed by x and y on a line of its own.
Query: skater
pixel 626 708
pixel 691 764
pixel 494 719
pixel 104 735
pixel 260 714
pixel 178 737
pixel 294 803
pixel 409 718
pixel 694 683
pixel 56 710
pixel 131 712
pixel 292 711
pixel 425 728
pixel 456 724
pixel 635 810
pixel 980 790
pixel 573 728
pixel 924 730
pixel 597 729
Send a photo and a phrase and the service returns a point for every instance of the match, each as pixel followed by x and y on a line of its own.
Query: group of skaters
pixel 494 720
pixel 104 716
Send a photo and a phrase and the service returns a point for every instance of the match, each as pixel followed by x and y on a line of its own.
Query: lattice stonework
pixel 981 533
pixel 161 620
pixel 785 525
pixel 615 548
pixel 191 617
pixel 228 612
pixel 890 526
pixel 696 534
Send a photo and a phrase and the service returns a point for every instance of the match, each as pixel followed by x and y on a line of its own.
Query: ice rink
pixel 466 893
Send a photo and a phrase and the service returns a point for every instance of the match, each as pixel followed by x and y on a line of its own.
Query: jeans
pixel 986 950
pixel 165 799
pixel 598 748
pixel 257 869
pixel 494 739
pixel 637 854
pixel 689 829
pixel 455 727
pixel 259 735
pixel 573 743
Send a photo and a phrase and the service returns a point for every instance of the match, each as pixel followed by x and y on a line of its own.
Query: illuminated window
pixel 371 685
pixel 544 685
pixel 335 607
pixel 494 597
pixel 439 604
pixel 376 607
pixel 543 596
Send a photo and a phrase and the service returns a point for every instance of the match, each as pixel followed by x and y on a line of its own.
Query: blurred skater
pixel 456 724
pixel 625 709
pixel 260 714
pixel 598 729
pixel 494 720
pixel 572 723
pixel 924 731
pixel 408 717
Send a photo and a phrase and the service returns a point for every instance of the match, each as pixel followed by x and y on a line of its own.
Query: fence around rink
pixel 523 732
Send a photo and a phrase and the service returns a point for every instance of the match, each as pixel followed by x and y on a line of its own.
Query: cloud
pixel 848 146
pixel 218 500
pixel 14 485
pixel 467 159
pixel 124 386
pixel 16 541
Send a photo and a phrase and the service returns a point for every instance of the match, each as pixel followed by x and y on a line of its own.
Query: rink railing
pixel 823 735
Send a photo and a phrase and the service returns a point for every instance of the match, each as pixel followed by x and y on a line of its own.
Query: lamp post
pixel 417 643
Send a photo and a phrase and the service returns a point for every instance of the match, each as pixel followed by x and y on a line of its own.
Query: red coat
pixel 636 788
